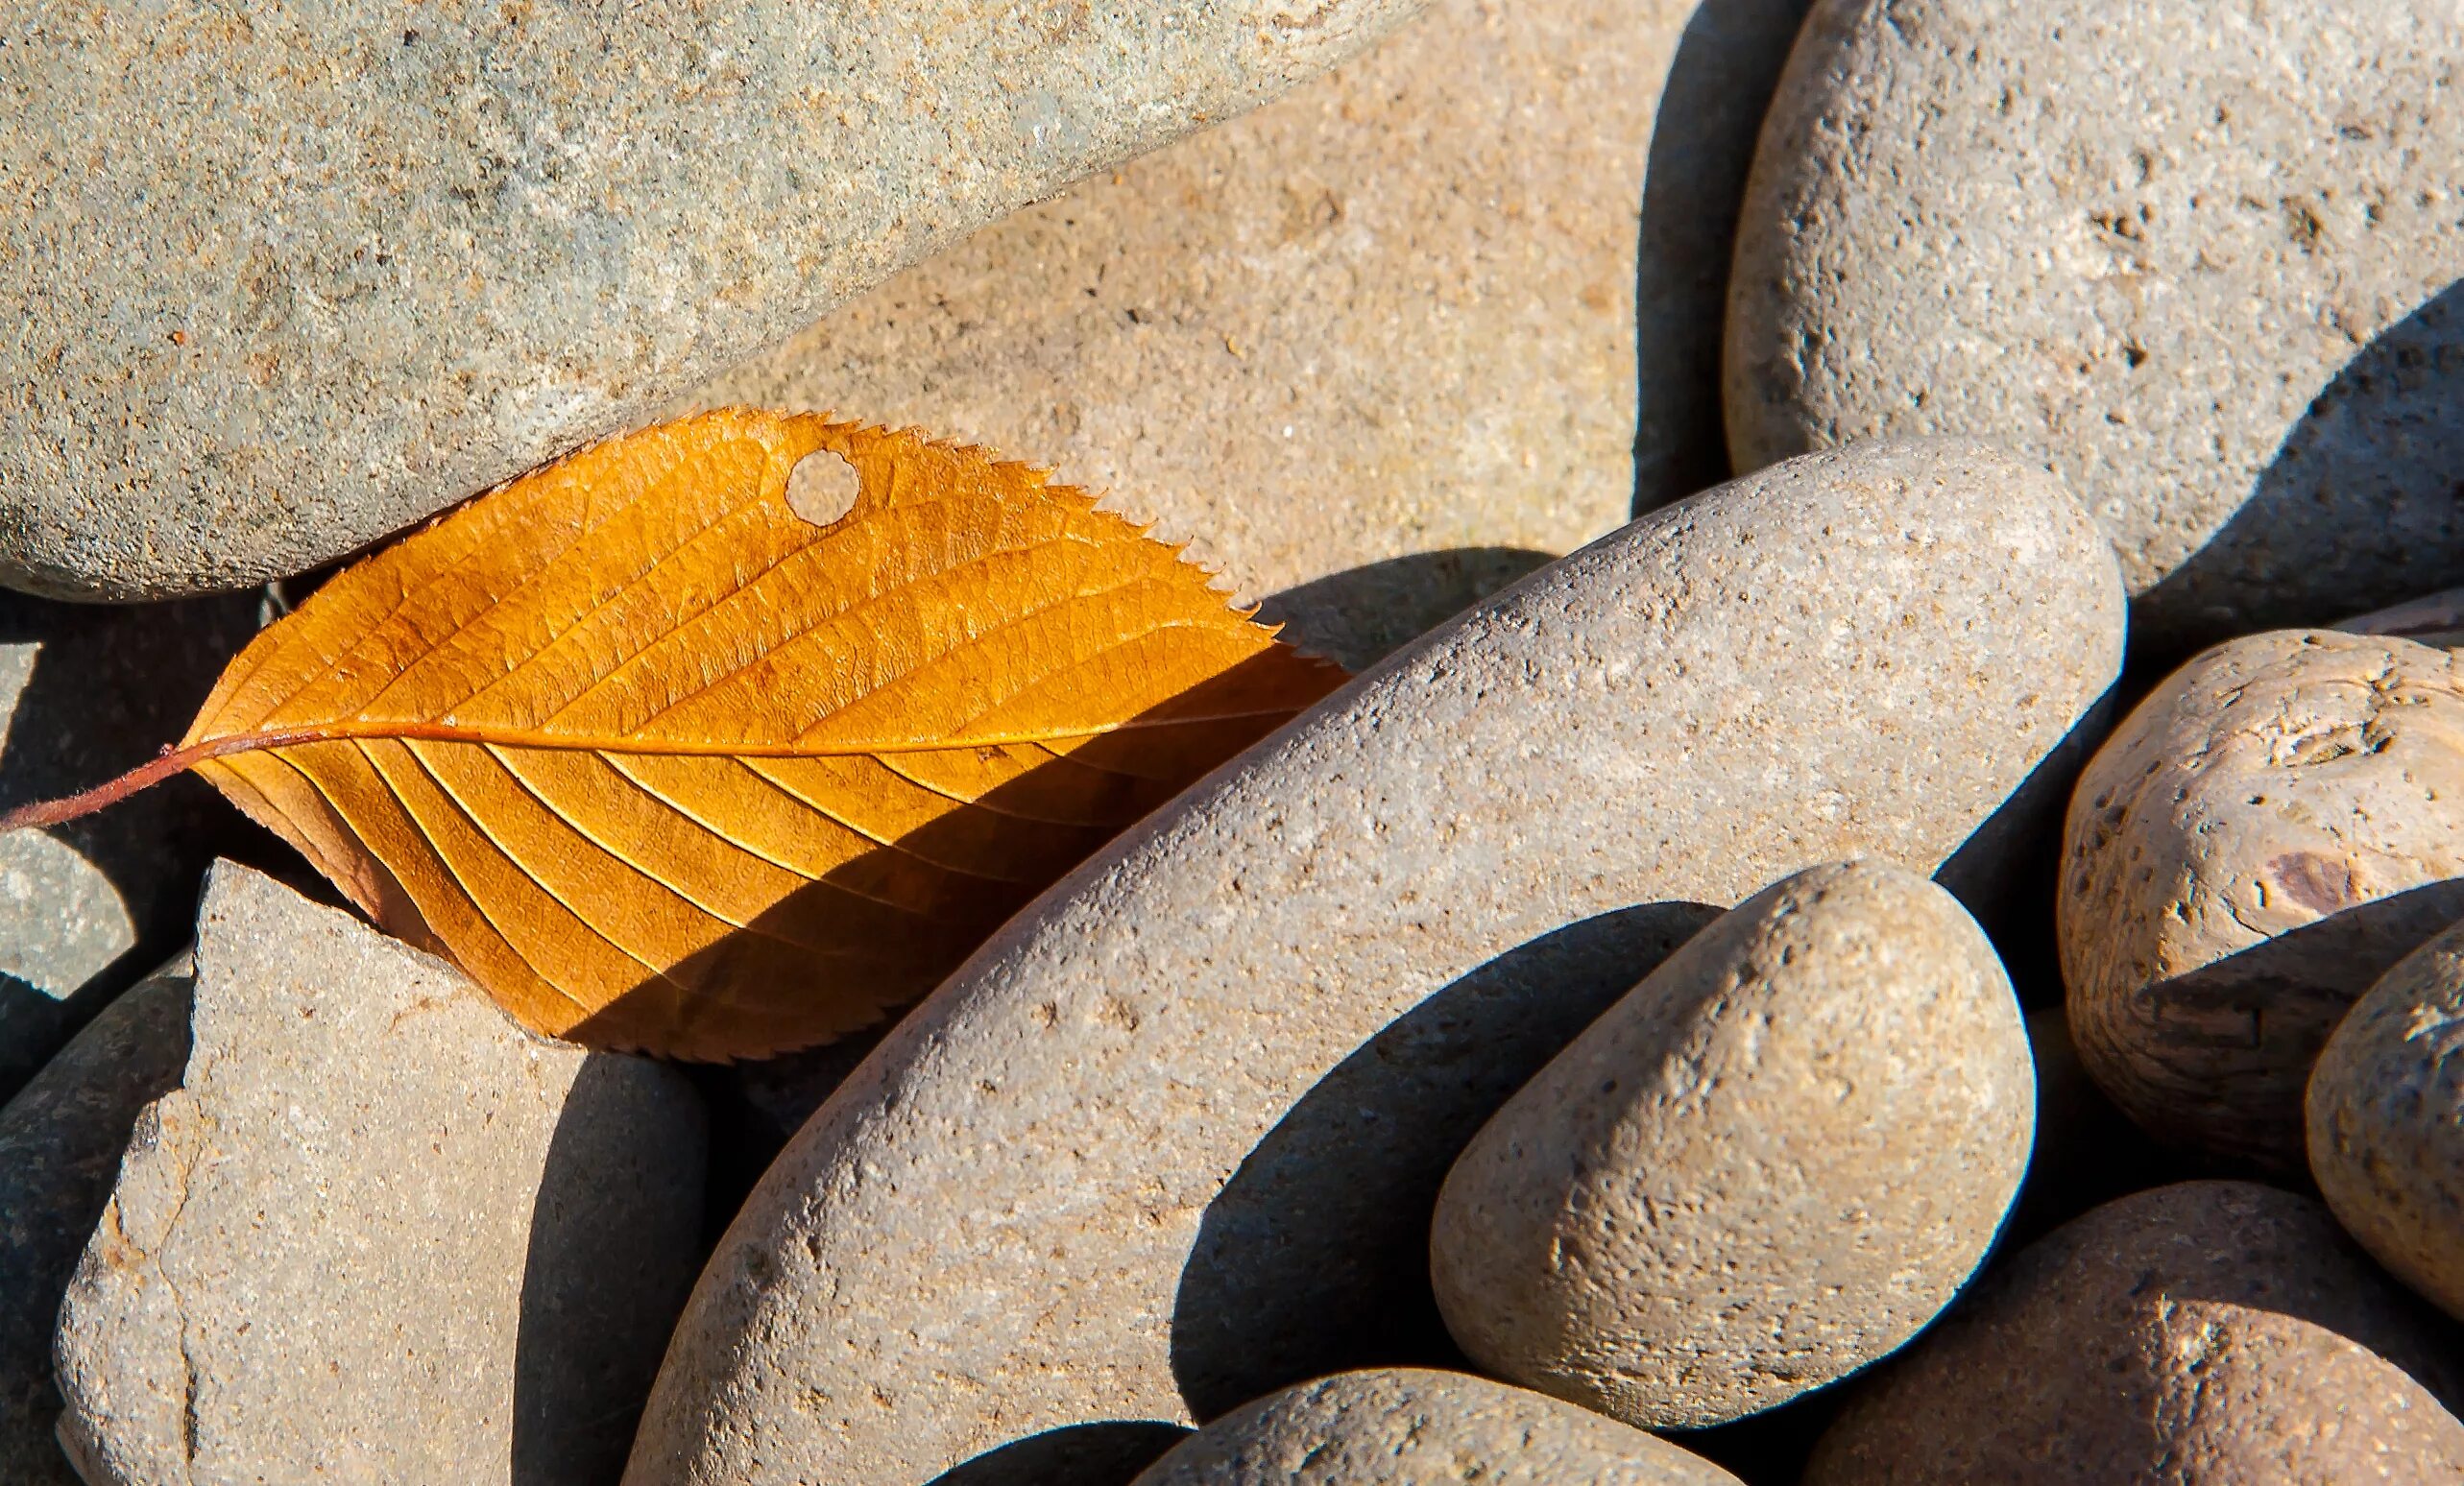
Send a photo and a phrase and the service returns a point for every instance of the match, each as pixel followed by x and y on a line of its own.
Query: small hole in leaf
pixel 822 488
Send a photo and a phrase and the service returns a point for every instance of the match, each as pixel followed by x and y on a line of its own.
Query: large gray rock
pixel 339 267
pixel 1169 1141
pixel 2209 1333
pixel 381 1234
pixel 1409 1426
pixel 88 907
pixel 2199 256
pixel 60 1140
pixel 2274 825
pixel 1417 282
pixel 2386 1121
pixel 1772 1162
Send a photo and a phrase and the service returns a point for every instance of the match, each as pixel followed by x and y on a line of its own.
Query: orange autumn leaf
pixel 666 766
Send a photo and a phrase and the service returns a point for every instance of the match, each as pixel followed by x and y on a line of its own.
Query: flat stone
pixel 2200 259
pixel 381 1234
pixel 87 907
pixel 339 268
pixel 2386 1121
pixel 1380 347
pixel 1410 1426
pixel 2279 822
pixel 2209 1333
pixel 1770 1163
pixel 60 1140
pixel 1170 1139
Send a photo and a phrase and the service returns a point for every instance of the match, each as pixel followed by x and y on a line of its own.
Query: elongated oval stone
pixel 282 281
pixel 1146 1154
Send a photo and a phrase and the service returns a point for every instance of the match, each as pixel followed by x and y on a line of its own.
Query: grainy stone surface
pixel 284 281
pixel 379 1234
pixel 87 907
pixel 1772 1162
pixel 1409 1426
pixel 1109 1171
pixel 2386 1121
pixel 60 1140
pixel 2199 256
pixel 2210 1333
pixel 2279 822
pixel 1375 347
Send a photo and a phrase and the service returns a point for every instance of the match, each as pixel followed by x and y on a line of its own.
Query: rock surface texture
pixel 1773 1163
pixel 1409 1426
pixel 88 907
pixel 2211 1333
pixel 2386 1121
pixel 60 1140
pixel 1184 1154
pixel 379 1234
pixel 2200 259
pixel 1383 345
pixel 375 262
pixel 2279 822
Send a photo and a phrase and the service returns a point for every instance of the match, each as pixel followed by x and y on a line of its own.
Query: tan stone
pixel 1374 346
pixel 2200 258
pixel 2210 1333
pixel 379 1234
pixel 2386 1121
pixel 1409 1426
pixel 2276 824
pixel 1772 1162
pixel 1169 1141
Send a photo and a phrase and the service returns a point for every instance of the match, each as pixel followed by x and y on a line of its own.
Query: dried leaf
pixel 666 766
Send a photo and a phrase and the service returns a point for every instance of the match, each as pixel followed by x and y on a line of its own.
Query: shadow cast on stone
pixel 2363 504
pixel 2243 1019
pixel 593 1326
pixel 1108 1454
pixel 99 698
pixel 1361 613
pixel 1720 84
pixel 1314 1257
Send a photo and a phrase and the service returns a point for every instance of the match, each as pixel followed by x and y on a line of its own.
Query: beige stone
pixel 1380 347
pixel 2201 257
pixel 1772 1162
pixel 2276 824
pixel 2210 1333
pixel 2386 1121
pixel 1169 1141
pixel 279 283
pixel 379 1234
pixel 1410 1426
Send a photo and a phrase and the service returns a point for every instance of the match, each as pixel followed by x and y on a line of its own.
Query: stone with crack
pixel 379 1234
pixel 2279 822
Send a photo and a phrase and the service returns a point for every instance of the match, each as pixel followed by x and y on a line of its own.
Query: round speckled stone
pixel 1770 1163
pixel 2386 1121
pixel 2199 256
pixel 1410 1426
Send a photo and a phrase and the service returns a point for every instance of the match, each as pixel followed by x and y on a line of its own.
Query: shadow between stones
pixel 1315 1257
pixel 1107 1453
pixel 1720 84
pixel 108 686
pixel 1360 614
pixel 2377 460
pixel 594 1317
